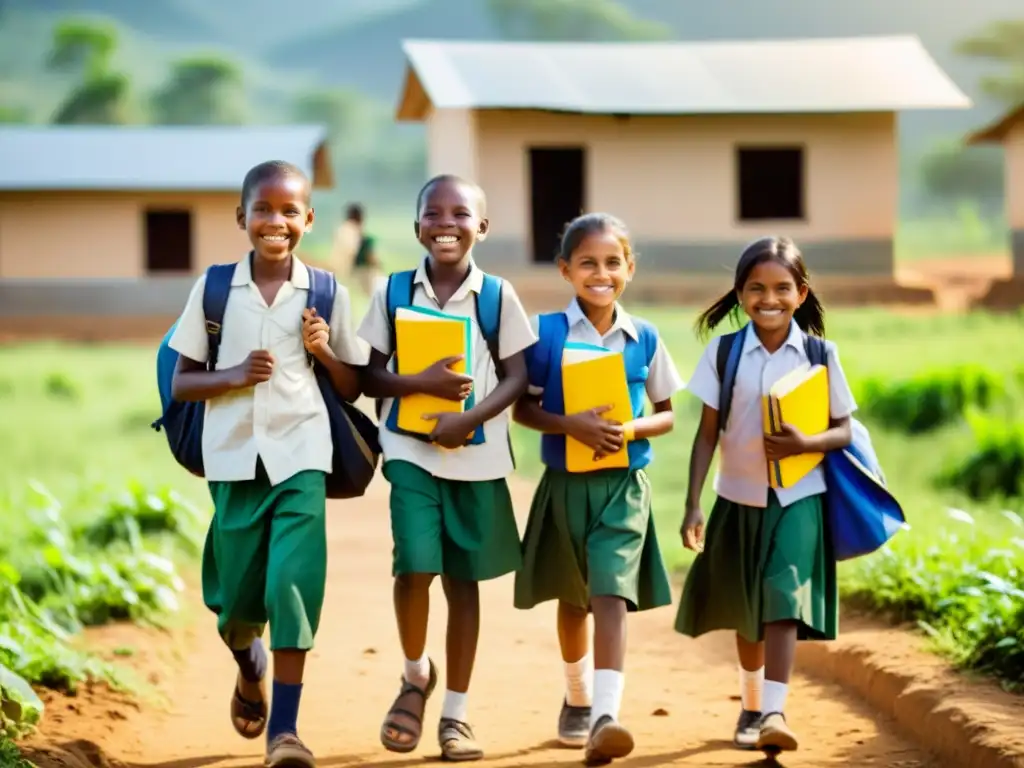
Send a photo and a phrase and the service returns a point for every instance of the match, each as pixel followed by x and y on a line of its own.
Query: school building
pixel 1009 131
pixel 699 147
pixel 103 230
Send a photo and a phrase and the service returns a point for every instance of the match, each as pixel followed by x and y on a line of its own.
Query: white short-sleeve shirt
pixel 663 379
pixel 742 475
pixel 283 420
pixel 491 459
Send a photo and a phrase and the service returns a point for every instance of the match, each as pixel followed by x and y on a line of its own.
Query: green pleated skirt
pixel 762 565
pixel 591 535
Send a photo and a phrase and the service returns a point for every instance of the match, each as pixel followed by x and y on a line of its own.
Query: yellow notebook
pixel 593 376
pixel 424 336
pixel 799 398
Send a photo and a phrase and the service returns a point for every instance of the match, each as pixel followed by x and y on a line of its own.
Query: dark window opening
pixel 557 183
pixel 771 183
pixel 168 241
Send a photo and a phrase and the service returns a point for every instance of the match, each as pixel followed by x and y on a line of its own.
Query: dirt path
pixel 353 675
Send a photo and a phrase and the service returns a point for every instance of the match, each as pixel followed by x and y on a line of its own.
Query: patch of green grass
pixel 966 233
pixel 961 580
pixel 77 419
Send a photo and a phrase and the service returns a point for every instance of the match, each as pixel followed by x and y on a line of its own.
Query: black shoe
pixel 573 725
pixel 748 729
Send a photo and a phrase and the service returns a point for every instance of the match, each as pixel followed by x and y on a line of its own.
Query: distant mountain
pixel 357 43
pixel 367 54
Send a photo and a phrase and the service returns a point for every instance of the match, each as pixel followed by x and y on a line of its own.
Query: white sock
pixel 774 697
pixel 751 688
pixel 608 685
pixel 418 672
pixel 579 682
pixel 455 706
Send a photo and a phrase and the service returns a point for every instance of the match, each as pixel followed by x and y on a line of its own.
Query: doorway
pixel 556 196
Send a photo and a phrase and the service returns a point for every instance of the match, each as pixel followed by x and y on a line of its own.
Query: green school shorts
pixel 760 566
pixel 592 535
pixel 265 559
pixel 466 530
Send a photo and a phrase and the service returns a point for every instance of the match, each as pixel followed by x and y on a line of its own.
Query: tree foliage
pixel 86 49
pixel 83 47
pixel 101 100
pixel 1001 42
pixel 572 20
pixel 953 173
pixel 202 90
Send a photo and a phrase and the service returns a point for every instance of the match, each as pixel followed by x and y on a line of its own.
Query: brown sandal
pixel 458 744
pixel 390 742
pixel 249 718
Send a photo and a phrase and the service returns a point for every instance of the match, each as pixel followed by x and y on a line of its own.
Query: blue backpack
pixel 400 290
pixel 353 433
pixel 544 360
pixel 862 514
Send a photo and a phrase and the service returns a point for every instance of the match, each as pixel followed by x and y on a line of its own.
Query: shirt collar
pixel 575 315
pixel 474 281
pixel 795 339
pixel 243 273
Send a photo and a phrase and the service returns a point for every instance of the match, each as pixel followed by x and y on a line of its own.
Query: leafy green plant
pixel 20 707
pixel 964 586
pixel 10 755
pixel 57 579
pixel 139 512
pixel 995 466
pixel 931 399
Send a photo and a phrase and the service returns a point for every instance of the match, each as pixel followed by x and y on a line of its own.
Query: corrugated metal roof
pixel 207 158
pixel 739 77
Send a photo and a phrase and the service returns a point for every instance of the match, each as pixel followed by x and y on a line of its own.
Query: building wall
pixel 673 180
pixel 1014 144
pixel 452 142
pixel 84 252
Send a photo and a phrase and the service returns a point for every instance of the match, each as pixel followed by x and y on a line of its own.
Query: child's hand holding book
pixel 604 436
pixel 441 381
pixel 788 441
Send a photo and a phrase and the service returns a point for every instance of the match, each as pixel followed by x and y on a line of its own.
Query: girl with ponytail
pixel 765 568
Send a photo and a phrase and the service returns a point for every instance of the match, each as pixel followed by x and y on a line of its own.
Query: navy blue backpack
pixel 862 514
pixel 353 434
pixel 401 288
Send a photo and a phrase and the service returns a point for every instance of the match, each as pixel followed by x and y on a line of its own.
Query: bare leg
pixel 412 613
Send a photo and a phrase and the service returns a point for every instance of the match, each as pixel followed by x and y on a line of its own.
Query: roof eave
pixel 323 171
pixel 995 133
pixel 415 104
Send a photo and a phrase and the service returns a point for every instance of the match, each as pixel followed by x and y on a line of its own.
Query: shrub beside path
pixel 680 694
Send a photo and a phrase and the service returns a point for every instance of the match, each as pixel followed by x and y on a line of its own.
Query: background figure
pixel 354 252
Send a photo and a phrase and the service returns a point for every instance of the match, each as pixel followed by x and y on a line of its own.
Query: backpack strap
pixel 648 337
pixel 398 293
pixel 730 348
pixel 323 287
pixel 488 315
pixel 550 328
pixel 215 301
pixel 817 352
pixel 552 332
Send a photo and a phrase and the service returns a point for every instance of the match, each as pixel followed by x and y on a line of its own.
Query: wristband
pixel 629 433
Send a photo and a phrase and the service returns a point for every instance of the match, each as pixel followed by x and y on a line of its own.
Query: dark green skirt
pixel 592 535
pixel 760 566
